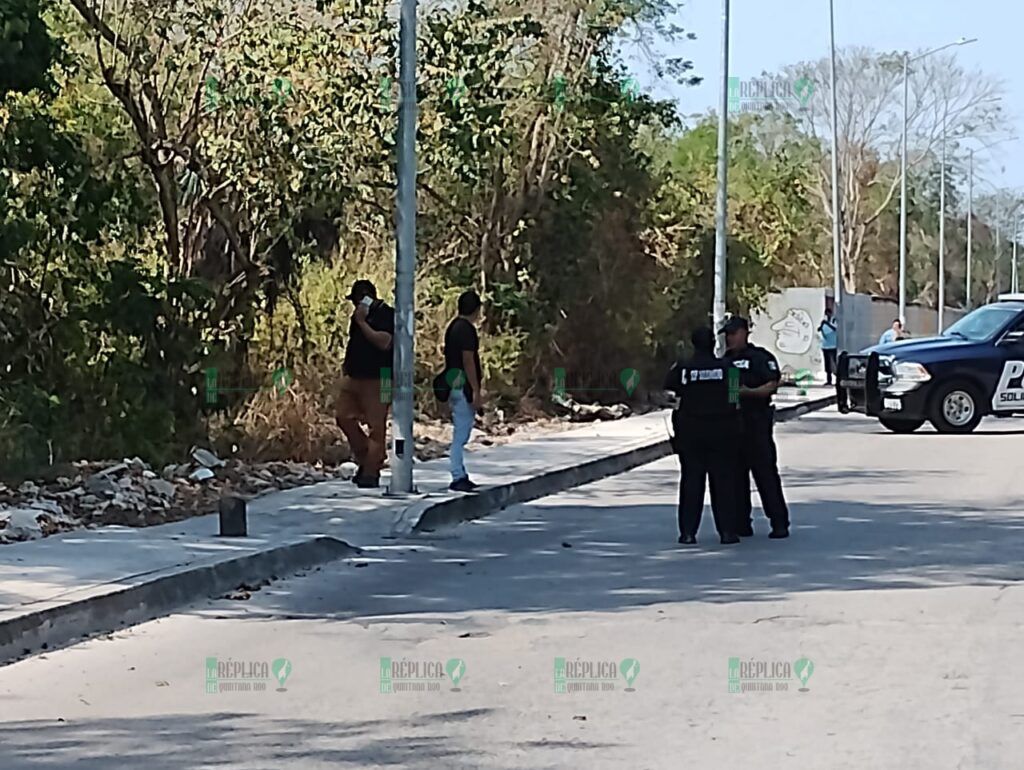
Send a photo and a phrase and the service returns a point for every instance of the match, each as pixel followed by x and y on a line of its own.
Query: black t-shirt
pixel 459 337
pixel 363 359
pixel 757 367
pixel 707 387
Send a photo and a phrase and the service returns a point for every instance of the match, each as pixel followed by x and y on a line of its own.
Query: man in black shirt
pixel 463 374
pixel 759 379
pixel 361 398
pixel 707 429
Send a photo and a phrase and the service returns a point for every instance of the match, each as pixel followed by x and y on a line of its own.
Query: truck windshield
pixel 982 324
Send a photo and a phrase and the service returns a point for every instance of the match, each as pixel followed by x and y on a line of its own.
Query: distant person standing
pixel 707 429
pixel 361 399
pixel 759 379
pixel 828 331
pixel 893 334
pixel 462 370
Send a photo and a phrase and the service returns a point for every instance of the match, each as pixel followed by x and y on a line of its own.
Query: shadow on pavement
pixel 602 553
pixel 179 741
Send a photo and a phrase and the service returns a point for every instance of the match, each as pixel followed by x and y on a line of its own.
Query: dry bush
pixel 293 423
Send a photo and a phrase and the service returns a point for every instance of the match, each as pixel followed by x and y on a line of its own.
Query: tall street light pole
pixel 403 444
pixel 902 313
pixel 837 268
pixel 970 223
pixel 907 61
pixel 942 228
pixel 970 211
pixel 1013 268
pixel 721 206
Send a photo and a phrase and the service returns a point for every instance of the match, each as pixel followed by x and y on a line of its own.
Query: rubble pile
pixel 131 493
pixel 134 494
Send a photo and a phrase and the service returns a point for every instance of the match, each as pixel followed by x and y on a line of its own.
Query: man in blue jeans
pixel 462 367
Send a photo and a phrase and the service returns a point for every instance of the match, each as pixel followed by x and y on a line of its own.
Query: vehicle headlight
pixel 908 376
pixel 909 371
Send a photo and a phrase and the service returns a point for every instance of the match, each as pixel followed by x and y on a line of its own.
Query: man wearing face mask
pixel 759 379
pixel 362 400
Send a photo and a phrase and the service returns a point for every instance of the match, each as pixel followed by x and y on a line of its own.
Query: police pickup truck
pixel 973 369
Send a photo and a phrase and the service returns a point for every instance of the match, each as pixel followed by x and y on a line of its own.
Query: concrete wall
pixel 788 325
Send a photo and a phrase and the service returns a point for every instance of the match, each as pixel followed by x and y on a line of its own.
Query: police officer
pixel 707 431
pixel 759 379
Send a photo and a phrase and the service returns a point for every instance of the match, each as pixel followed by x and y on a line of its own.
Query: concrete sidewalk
pixel 55 590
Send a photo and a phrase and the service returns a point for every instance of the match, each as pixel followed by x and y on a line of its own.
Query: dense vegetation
pixel 194 185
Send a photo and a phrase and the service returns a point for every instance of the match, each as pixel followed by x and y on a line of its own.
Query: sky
pixel 766 35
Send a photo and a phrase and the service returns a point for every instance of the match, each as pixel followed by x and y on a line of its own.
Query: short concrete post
pixel 232 517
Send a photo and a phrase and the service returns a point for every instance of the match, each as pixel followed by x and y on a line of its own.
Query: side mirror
pixel 1015 337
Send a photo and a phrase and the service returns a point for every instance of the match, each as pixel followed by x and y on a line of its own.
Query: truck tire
pixel 900 426
pixel 955 408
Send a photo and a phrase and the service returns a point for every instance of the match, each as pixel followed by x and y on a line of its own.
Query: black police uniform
pixel 707 429
pixel 758 455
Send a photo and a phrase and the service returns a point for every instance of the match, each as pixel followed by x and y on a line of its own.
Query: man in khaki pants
pixel 361 398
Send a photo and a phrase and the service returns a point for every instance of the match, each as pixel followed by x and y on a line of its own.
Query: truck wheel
pixel 955 408
pixel 900 426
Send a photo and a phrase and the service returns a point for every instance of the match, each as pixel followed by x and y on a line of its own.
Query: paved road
pixel 900 585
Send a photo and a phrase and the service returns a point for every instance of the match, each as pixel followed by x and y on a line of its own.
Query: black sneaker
pixel 687 540
pixel 729 539
pixel 367 482
pixel 747 531
pixel 778 533
pixel 462 485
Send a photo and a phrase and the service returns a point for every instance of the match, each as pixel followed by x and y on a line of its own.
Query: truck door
pixel 1009 392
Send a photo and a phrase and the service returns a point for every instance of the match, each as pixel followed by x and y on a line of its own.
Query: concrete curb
pixel 59 625
pixel 429 515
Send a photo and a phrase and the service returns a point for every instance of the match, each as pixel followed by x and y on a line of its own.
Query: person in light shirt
pixel 893 333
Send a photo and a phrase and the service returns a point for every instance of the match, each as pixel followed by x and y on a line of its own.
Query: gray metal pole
pixel 999 267
pixel 942 230
pixel 721 207
pixel 903 192
pixel 403 444
pixel 970 224
pixel 1013 268
pixel 837 268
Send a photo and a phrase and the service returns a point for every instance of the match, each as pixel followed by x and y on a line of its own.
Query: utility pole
pixel 907 59
pixel 403 445
pixel 722 203
pixel 942 230
pixel 970 224
pixel 1013 268
pixel 902 313
pixel 999 267
pixel 837 268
